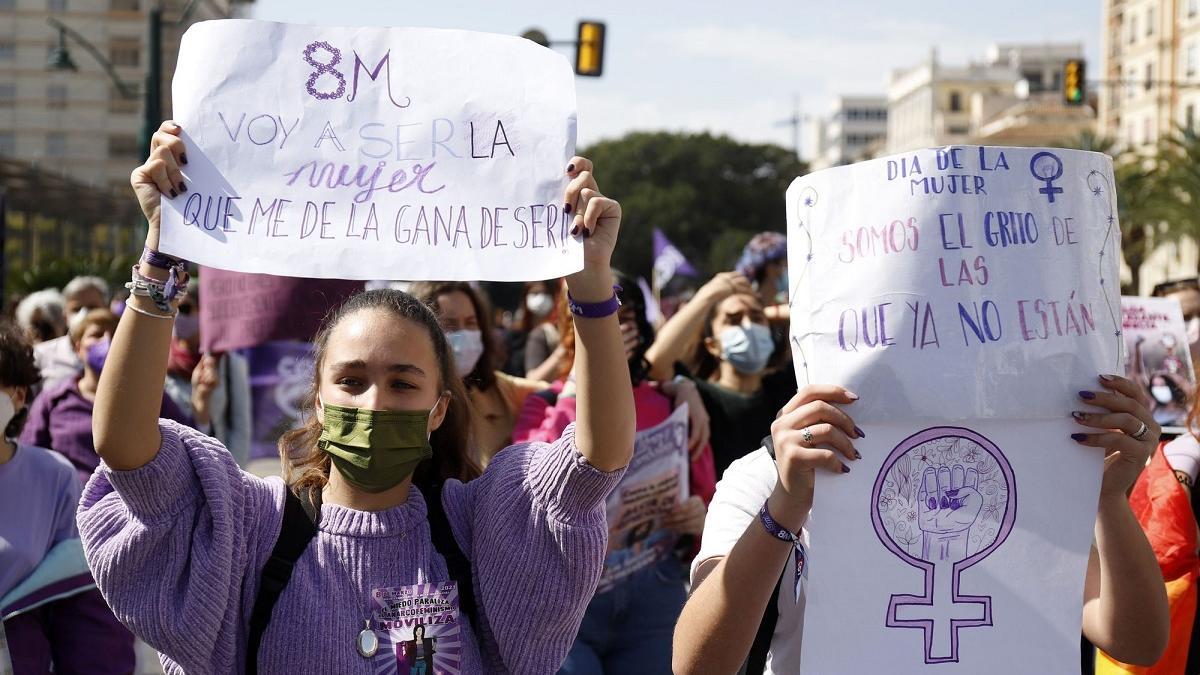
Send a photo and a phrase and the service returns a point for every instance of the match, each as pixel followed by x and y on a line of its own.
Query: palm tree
pixel 1148 208
pixel 1180 155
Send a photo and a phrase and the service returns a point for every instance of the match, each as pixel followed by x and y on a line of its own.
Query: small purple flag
pixel 653 313
pixel 668 261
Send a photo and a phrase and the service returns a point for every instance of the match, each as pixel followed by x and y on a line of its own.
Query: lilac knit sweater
pixel 177 547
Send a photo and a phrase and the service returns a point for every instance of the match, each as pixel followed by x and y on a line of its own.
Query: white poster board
pixel 1157 357
pixel 966 294
pixel 369 153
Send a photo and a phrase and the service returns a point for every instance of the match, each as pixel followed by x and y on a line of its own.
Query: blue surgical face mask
pixel 747 347
pixel 783 287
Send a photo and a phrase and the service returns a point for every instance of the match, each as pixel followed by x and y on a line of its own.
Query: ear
pixel 713 345
pixel 438 414
pixel 319 409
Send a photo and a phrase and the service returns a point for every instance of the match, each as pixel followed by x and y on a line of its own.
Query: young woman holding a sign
pixel 765 497
pixel 179 537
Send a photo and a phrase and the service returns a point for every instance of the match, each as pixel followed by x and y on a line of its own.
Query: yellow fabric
pixel 496 412
pixel 1181 595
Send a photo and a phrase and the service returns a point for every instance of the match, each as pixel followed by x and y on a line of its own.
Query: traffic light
pixel 1075 82
pixel 589 49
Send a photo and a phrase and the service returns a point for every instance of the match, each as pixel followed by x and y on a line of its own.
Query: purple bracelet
pixel 775 529
pixel 160 260
pixel 594 310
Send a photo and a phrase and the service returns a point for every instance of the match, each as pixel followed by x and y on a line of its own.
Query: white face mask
pixel 1161 393
pixel 468 347
pixel 539 304
pixel 7 410
pixel 747 348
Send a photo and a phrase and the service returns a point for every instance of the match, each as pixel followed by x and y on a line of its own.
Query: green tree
pixel 1180 154
pixel 708 194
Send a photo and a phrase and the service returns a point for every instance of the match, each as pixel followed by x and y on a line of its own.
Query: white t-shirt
pixel 1183 454
pixel 743 489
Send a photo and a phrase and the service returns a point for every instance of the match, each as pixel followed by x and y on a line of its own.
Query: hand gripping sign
pixel 372 153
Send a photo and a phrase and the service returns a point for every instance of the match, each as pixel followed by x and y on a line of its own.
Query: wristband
pixel 774 529
pixel 594 310
pixel 160 260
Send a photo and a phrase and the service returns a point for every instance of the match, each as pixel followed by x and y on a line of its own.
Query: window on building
pixel 125 52
pixel 8 143
pixel 1189 116
pixel 8 50
pixel 56 144
pixel 1133 29
pixel 8 4
pixel 955 101
pixel 8 95
pixel 124 5
pixel 1148 130
pixel 1192 60
pixel 122 145
pixel 1148 82
pixel 56 96
pixel 1151 19
pixel 56 5
pixel 1193 8
pixel 118 103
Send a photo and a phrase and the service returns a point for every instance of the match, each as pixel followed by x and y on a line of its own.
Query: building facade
pixel 1012 97
pixel 854 124
pixel 1149 87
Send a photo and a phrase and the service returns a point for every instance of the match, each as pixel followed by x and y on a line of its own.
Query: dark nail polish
pixel 857 455
pixel 174 194
pixel 182 187
pixel 1079 437
pixel 860 432
pixel 1087 395
pixel 183 158
pixel 570 168
pixel 1078 415
pixel 574 231
pixel 566 208
pixel 845 469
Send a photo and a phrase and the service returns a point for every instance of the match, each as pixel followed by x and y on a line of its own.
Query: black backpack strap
pixel 298 529
pixel 456 562
pixel 756 662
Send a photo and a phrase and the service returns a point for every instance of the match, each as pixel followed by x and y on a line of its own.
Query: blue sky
pixel 734 68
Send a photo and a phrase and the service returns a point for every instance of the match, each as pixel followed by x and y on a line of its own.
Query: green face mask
pixel 375 449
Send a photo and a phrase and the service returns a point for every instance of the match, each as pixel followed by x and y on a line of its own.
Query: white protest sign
pixel 655 481
pixel 1157 357
pixel 966 294
pixel 368 153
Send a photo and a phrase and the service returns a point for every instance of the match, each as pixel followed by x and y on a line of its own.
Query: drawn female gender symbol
pixel 1047 167
pixel 944 500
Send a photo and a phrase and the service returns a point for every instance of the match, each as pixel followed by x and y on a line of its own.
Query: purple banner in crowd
pixel 243 310
pixel 280 377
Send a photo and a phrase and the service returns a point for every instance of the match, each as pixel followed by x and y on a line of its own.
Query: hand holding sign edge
pixel 597 221
pixel 160 174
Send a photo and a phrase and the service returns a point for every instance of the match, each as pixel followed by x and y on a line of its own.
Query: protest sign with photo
pixel 655 482
pixel 967 294
pixel 1157 357
pixel 369 153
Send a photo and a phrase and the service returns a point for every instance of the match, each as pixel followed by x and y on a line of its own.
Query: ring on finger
pixel 806 435
pixel 1141 432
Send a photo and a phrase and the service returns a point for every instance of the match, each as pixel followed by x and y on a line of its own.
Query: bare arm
pixel 713 634
pixel 678 333
pixel 129 397
pixel 604 421
pixel 1125 604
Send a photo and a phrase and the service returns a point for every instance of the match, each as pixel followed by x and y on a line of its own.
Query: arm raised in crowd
pixel 604 423
pixel 680 332
pixel 130 394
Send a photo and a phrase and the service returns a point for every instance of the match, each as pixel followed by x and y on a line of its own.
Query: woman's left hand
pixel 687 517
pixel 596 220
pixel 1129 434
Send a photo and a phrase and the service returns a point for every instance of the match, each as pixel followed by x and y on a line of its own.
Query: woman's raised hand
pixel 160 175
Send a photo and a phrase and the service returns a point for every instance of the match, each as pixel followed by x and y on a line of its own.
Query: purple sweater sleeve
pixel 534 528
pixel 170 543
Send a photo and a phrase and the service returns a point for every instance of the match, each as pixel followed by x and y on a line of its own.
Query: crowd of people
pixel 443 440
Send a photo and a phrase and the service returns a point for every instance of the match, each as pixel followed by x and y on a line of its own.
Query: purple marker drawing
pixel 944 500
pixel 335 55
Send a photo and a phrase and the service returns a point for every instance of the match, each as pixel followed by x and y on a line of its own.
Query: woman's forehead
pixel 380 336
